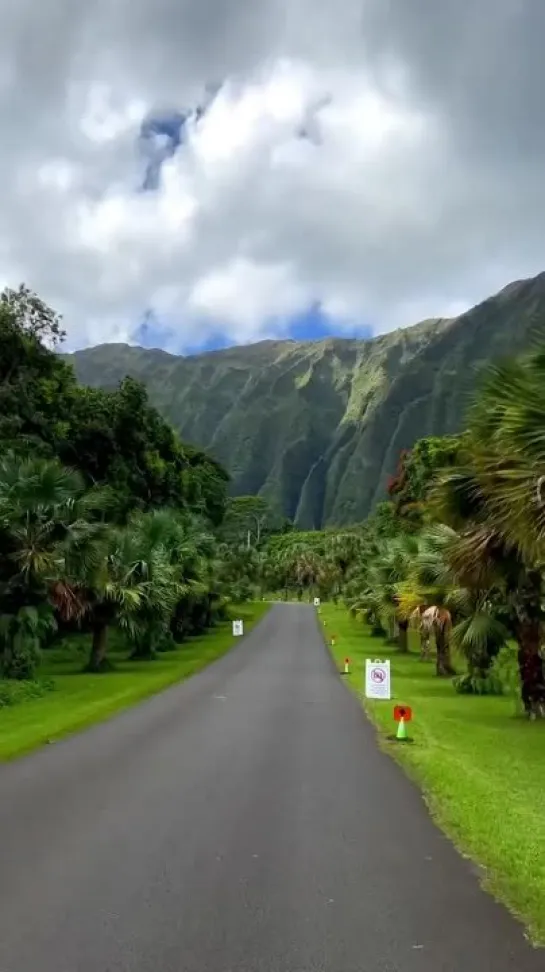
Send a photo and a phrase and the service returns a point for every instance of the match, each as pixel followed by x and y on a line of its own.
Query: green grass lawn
pixel 80 699
pixel 481 767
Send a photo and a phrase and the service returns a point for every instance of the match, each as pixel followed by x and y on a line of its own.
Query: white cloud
pixel 416 188
pixel 245 296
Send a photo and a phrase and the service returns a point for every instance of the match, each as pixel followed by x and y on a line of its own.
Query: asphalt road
pixel 243 821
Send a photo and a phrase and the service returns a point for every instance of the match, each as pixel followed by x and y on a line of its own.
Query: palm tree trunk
pixel 403 629
pixel 444 667
pixel 532 677
pixel 97 656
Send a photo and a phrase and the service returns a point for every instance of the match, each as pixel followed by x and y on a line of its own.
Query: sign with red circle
pixel 377 679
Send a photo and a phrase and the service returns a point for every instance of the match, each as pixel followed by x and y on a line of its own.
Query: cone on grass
pixel 347 666
pixel 402 730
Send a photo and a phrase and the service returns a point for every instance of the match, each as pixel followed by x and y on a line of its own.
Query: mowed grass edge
pixel 79 700
pixel 481 769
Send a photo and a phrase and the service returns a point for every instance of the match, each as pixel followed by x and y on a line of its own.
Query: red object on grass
pixel 403 712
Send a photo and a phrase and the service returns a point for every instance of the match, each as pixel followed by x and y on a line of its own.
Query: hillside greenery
pixel 458 550
pixel 316 428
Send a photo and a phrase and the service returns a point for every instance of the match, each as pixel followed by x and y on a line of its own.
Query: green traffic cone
pixel 402 731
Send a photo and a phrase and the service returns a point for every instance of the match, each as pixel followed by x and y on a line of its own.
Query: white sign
pixel 316 602
pixel 377 679
pixel 238 628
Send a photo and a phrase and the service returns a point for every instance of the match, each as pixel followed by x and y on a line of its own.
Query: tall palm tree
pixel 491 570
pixel 496 504
pixel 158 541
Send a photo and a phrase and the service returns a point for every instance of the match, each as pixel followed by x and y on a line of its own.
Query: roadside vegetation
pixel 447 579
pixel 118 575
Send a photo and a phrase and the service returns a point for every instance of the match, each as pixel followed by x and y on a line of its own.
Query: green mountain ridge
pixel 316 427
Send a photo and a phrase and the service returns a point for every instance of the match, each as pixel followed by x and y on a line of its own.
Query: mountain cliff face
pixel 316 427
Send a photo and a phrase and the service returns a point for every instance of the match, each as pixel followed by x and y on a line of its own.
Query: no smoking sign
pixel 377 679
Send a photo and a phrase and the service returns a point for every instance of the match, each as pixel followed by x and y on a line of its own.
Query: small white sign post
pixel 238 628
pixel 377 679
pixel 316 602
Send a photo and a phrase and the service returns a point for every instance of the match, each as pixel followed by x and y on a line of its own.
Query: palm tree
pixel 342 552
pixel 306 567
pixel 157 540
pixel 460 614
pixel 372 588
pixel 426 595
pixel 137 577
pixel 495 502
pixel 506 594
pixel 387 572
pixel 45 510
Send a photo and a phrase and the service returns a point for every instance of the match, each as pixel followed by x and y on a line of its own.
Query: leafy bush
pixel 21 636
pixel 165 643
pixel 470 684
pixel 13 693
pixel 505 669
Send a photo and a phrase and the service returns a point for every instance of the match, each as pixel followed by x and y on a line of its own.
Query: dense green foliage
pixel 115 438
pixel 410 487
pixel 459 550
pixel 106 517
pixel 250 520
pixel 317 427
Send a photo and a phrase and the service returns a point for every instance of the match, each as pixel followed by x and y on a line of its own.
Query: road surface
pixel 244 821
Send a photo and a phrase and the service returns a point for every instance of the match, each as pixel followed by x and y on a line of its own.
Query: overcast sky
pixel 224 166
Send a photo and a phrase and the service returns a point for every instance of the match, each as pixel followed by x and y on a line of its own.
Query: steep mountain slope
pixel 317 426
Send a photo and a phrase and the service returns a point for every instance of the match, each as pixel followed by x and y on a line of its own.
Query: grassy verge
pixel 80 700
pixel 481 768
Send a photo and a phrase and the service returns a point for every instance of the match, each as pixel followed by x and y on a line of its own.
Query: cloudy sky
pixel 188 173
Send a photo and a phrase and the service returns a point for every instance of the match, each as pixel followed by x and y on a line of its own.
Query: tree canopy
pixel 110 437
pixel 106 517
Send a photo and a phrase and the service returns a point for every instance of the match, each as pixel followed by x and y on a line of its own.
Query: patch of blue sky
pixel 162 133
pixel 314 325
pixel 160 138
pixel 311 325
